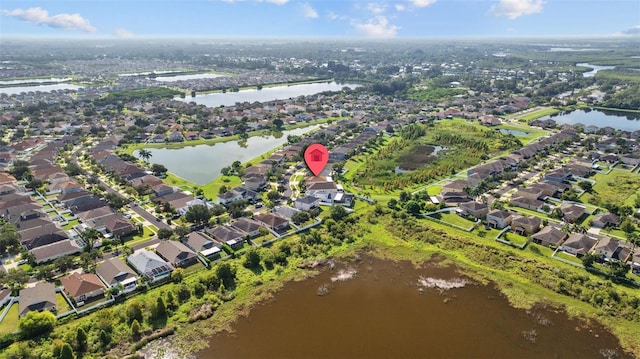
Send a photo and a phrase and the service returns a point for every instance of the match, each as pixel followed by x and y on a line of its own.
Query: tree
pixel 90 235
pixel 81 340
pixel 278 123
pixel 181 230
pixel 226 274
pixel 252 258
pixel 588 260
pixel 627 226
pixel 338 213
pixel 9 238
pixel 177 275
pixel 36 323
pixel 586 186
pixel 135 330
pixel 72 169
pixel 104 339
pixel 159 310
pixel 413 207
pixel 165 233
pixel 134 311
pixel 20 169
pixel 144 154
pixel 159 170
pixel 66 352
pixel 618 269
pixel 300 217
pixel 273 195
pixel 198 214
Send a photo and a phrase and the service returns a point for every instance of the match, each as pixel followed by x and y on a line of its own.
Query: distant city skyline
pixel 321 19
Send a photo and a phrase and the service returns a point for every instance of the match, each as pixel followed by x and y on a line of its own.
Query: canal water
pixel 266 94
pixel 374 308
pixel 202 163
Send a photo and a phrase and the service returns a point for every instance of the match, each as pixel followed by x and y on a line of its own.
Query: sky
pixel 319 18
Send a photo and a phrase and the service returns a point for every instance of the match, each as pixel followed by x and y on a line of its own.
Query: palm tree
pixel 144 154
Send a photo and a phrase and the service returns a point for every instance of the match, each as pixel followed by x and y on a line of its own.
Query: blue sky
pixel 324 18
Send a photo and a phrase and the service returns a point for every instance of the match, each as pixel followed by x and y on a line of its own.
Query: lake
pixel 374 308
pixel 202 163
pixel 35 81
pixel 16 90
pixel 627 121
pixel 266 94
pixel 595 69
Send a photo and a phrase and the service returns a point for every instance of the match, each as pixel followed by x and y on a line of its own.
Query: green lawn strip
pixel 434 190
pixel 261 239
pixel 70 225
pixel 193 268
pixel 62 304
pixel 568 257
pixel 454 219
pixel 10 322
pixel 514 238
pixel 616 187
pixel 530 116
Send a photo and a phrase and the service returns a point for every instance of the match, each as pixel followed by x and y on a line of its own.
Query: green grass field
pixel 10 323
pixel 618 187
pixel 454 219
pixel 530 116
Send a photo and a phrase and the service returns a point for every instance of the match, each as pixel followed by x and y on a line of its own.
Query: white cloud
pixel 123 33
pixel 632 31
pixel 309 11
pixel 39 16
pixel 422 3
pixel 277 2
pixel 376 8
pixel 400 7
pixel 333 16
pixel 378 26
pixel 513 9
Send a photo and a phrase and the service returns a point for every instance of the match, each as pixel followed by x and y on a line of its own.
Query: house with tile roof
pixel 83 287
pixel 42 296
pixel 114 272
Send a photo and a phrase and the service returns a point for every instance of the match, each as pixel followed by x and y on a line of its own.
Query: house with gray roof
pixel 203 244
pixel 578 244
pixel 176 253
pixel 114 272
pixel 228 235
pixel 549 236
pixel 150 265
pixel 41 296
pixel 248 226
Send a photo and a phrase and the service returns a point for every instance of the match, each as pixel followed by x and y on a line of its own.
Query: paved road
pixel 149 217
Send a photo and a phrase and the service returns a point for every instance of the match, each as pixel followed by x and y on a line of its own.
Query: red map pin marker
pixel 316 157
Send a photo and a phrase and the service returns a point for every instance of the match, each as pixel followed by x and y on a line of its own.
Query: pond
pixel 202 163
pixel 514 132
pixel 595 69
pixel 372 308
pixel 264 95
pixel 16 90
pixel 621 120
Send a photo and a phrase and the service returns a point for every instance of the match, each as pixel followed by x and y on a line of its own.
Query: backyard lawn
pixel 10 323
pixel 454 219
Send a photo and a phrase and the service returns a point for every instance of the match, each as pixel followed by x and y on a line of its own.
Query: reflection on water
pixel 620 120
pixel 383 309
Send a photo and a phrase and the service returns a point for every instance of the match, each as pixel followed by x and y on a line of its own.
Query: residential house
pixel 51 251
pixel 273 221
pixel 498 218
pixel 476 209
pixel 228 235
pixel 325 191
pixel 176 253
pixel 83 287
pixel 42 296
pixel 307 202
pixel 203 244
pixel 228 197
pixel 285 211
pixel 558 175
pixel 150 265
pixel 526 202
pixel 254 181
pixel 548 236
pixel 605 219
pixel 578 244
pixel 571 212
pixel 611 249
pixel 5 296
pixel 526 225
pixel 248 226
pixel 114 272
